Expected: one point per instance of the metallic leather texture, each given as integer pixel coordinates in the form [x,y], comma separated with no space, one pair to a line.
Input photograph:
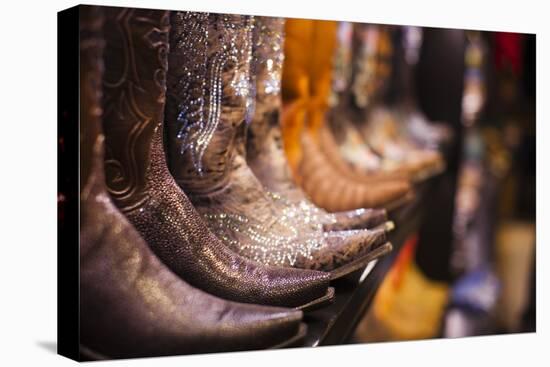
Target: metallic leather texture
[209,106]
[131,305]
[137,51]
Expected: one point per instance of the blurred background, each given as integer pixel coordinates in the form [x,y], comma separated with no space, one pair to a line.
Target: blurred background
[470,269]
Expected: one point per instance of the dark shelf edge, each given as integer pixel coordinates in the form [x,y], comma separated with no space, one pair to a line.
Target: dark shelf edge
[334,324]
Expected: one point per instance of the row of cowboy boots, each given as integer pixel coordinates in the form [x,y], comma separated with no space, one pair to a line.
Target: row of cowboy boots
[212,99]
[385,130]
[368,127]
[346,150]
[265,154]
[310,147]
[233,266]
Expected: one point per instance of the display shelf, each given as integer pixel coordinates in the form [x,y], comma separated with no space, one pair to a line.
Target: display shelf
[335,323]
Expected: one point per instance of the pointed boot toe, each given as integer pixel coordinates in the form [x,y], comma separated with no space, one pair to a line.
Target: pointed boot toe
[272,327]
[389,194]
[179,236]
[346,251]
[356,219]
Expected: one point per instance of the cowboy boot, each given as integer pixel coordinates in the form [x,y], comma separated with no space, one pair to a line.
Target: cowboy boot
[380,127]
[265,154]
[369,71]
[142,187]
[306,84]
[131,305]
[399,153]
[209,104]
[348,93]
[351,146]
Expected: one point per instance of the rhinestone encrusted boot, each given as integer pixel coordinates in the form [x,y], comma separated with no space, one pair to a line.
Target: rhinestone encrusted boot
[210,103]
[265,154]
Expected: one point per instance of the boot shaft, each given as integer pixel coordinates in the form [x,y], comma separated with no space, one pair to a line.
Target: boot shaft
[209,96]
[134,92]
[264,132]
[371,66]
[309,50]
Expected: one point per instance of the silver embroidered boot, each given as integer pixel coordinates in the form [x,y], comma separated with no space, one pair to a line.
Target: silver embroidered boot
[210,99]
[265,154]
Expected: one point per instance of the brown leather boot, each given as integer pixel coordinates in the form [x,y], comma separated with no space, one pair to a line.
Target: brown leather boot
[334,191]
[131,305]
[265,154]
[142,187]
[209,104]
[306,86]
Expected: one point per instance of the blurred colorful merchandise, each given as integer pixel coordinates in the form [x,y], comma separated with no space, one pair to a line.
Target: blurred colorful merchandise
[407,306]
[373,137]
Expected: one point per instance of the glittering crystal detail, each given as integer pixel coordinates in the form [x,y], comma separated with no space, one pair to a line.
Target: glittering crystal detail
[304,211]
[296,235]
[200,98]
[262,244]
[278,233]
[299,232]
